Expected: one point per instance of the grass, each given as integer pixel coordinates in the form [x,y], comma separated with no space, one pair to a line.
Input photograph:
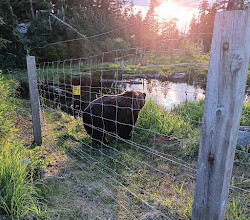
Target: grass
[194,112]
[197,72]
[19,195]
[159,121]
[245,116]
[121,176]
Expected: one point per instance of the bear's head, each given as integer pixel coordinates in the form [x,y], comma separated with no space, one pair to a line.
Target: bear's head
[141,97]
[138,96]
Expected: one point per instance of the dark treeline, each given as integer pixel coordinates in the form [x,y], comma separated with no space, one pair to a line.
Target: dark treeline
[202,26]
[26,25]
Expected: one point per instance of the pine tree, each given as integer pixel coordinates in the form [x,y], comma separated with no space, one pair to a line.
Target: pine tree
[89,17]
[204,31]
[12,54]
[203,9]
[169,28]
[3,42]
[150,26]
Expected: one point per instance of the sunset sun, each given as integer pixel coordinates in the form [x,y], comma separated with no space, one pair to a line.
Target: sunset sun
[170,9]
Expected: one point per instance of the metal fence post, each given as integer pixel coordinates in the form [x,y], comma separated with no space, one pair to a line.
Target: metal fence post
[34,99]
[226,84]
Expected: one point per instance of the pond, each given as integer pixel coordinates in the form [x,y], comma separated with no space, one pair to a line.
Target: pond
[173,93]
[168,93]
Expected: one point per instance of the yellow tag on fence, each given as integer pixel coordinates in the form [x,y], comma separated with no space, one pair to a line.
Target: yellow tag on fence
[1,71]
[76,90]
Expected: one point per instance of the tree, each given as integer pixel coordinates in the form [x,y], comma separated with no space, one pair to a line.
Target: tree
[206,21]
[203,9]
[150,27]
[169,28]
[169,32]
[12,54]
[3,42]
[89,17]
[194,29]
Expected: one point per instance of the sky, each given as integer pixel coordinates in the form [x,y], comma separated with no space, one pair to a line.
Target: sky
[192,3]
[184,11]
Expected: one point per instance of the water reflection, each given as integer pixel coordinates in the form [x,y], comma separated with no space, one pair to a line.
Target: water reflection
[165,93]
[168,93]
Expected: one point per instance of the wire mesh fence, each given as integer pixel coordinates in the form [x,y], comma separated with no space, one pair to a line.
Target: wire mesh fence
[132,127]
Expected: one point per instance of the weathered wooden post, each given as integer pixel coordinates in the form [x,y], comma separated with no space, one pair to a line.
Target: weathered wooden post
[226,85]
[248,8]
[34,99]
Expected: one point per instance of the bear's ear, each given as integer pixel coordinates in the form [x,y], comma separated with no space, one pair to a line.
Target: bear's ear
[144,94]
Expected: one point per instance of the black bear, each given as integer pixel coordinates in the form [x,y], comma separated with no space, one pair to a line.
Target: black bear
[113,113]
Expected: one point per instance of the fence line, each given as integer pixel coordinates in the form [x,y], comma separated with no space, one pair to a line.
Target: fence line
[134,166]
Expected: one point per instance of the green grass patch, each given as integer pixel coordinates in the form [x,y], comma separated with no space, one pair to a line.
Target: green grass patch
[19,196]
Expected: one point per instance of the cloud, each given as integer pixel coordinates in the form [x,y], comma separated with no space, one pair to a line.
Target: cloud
[191,3]
[183,3]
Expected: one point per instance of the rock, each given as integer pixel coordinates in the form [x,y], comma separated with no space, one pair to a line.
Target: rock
[243,138]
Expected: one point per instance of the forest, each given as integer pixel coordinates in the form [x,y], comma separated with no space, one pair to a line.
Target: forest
[29,27]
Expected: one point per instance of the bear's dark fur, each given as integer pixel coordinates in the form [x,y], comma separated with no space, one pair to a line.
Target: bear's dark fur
[113,114]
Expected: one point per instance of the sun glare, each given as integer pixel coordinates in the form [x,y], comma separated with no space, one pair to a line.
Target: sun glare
[169,9]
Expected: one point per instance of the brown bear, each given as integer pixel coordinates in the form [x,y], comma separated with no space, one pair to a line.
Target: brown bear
[113,113]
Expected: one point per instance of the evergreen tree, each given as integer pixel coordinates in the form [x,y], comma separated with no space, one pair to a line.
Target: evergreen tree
[12,54]
[194,28]
[169,28]
[169,33]
[3,42]
[205,25]
[150,26]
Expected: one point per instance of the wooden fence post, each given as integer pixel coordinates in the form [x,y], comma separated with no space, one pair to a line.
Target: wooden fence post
[34,99]
[225,92]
